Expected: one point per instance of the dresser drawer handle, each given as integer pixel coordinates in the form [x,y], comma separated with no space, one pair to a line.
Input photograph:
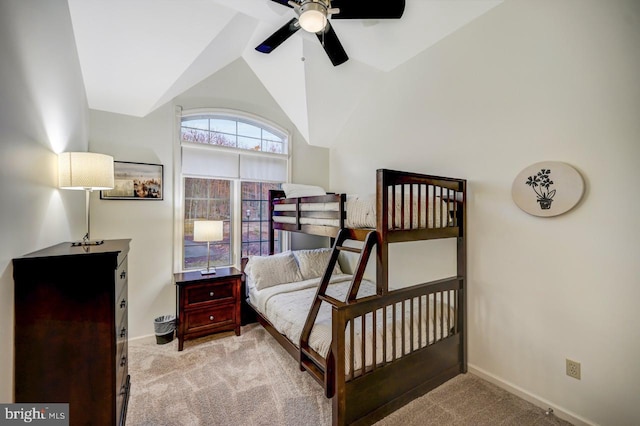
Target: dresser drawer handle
[123,390]
[211,293]
[211,317]
[123,303]
[123,275]
[123,361]
[123,332]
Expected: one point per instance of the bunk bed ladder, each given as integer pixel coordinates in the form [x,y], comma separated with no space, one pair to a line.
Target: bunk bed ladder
[310,360]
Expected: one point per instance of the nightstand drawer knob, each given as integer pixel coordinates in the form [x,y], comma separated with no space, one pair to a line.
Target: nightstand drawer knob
[123,332]
[211,317]
[123,303]
[123,361]
[211,294]
[123,275]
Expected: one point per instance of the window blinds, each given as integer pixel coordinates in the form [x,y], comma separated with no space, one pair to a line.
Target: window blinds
[217,162]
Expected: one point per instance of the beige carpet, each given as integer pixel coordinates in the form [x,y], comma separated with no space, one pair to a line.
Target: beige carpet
[251,380]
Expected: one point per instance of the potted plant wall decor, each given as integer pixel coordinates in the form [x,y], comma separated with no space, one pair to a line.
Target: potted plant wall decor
[548,188]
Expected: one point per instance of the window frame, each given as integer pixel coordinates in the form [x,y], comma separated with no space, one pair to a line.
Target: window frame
[236,202]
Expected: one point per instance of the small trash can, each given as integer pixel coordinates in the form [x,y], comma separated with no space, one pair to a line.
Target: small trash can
[164,326]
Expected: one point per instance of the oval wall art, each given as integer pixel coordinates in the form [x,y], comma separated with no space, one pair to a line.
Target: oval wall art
[548,188]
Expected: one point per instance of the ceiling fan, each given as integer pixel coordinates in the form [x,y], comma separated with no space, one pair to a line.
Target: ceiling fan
[313,16]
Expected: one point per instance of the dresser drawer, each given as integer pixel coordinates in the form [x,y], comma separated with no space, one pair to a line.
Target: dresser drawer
[122,362]
[122,328]
[216,316]
[122,354]
[121,278]
[122,395]
[221,291]
[121,304]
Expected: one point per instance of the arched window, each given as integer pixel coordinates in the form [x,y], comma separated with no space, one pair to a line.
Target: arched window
[233,131]
[229,161]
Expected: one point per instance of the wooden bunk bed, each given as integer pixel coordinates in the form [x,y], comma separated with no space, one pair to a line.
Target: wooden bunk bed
[395,363]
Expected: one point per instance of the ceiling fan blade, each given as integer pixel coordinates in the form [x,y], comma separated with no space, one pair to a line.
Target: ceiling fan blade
[333,47]
[368,9]
[283,2]
[277,38]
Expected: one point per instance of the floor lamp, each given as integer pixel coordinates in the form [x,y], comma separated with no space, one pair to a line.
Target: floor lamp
[86,171]
[207,231]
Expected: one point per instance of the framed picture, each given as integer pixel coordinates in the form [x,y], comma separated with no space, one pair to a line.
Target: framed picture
[135,181]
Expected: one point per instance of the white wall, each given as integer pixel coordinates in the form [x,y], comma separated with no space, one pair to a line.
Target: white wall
[530,81]
[149,224]
[43,112]
[150,140]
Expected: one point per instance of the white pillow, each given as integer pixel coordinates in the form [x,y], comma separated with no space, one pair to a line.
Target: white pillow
[314,262]
[268,271]
[293,190]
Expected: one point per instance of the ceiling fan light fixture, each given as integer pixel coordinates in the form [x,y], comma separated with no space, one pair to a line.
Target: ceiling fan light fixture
[313,16]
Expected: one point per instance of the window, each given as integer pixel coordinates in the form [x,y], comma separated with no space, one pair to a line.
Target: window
[236,132]
[208,199]
[229,161]
[255,219]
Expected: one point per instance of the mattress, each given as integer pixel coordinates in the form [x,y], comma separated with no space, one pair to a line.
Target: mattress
[286,307]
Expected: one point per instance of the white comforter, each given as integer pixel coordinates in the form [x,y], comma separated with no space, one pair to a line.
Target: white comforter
[286,306]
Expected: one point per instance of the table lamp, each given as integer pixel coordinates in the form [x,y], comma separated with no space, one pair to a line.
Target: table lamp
[86,171]
[208,230]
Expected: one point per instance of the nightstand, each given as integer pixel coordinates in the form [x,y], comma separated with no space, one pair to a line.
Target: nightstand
[207,304]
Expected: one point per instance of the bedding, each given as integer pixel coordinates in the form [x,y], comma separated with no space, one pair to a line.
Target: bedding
[361,213]
[286,307]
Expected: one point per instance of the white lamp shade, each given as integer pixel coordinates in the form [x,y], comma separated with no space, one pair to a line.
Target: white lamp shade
[313,17]
[207,230]
[85,170]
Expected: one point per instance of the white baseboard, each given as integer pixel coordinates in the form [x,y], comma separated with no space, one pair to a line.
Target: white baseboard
[146,336]
[527,396]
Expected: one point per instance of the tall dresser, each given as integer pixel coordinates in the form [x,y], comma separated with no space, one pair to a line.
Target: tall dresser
[71,330]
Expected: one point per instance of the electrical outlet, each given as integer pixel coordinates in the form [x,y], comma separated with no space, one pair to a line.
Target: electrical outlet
[573,369]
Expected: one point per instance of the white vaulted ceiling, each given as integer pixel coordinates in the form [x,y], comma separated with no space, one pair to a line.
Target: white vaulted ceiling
[136,55]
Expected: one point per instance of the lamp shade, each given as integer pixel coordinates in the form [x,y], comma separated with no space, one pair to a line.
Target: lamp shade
[313,17]
[85,170]
[207,230]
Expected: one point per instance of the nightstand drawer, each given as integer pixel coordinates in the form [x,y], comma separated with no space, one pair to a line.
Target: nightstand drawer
[210,317]
[219,291]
